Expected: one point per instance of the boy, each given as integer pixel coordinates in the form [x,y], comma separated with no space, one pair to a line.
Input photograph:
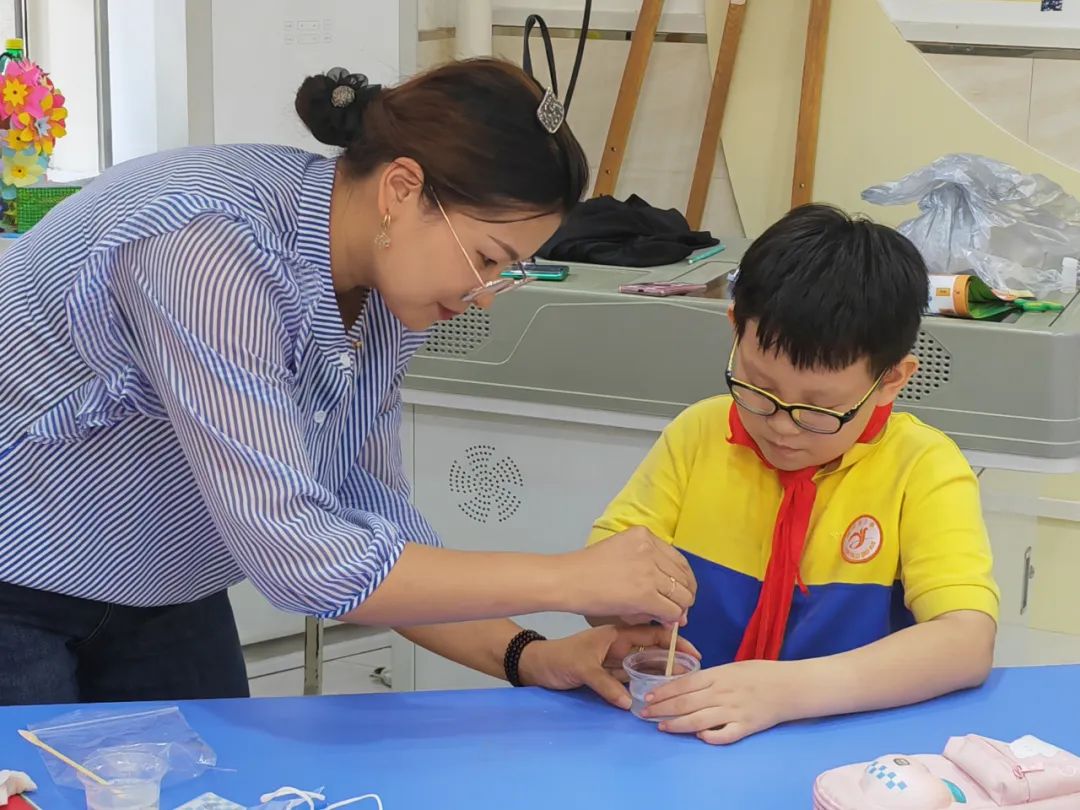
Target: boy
[840,554]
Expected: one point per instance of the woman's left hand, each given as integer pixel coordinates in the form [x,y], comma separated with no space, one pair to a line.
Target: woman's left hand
[593,658]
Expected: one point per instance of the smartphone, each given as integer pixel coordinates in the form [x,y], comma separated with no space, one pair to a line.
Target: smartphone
[541,272]
[662,289]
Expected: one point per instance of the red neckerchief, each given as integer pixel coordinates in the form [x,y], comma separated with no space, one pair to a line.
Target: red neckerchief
[764,635]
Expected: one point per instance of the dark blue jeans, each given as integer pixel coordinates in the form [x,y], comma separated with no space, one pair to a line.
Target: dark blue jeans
[60,649]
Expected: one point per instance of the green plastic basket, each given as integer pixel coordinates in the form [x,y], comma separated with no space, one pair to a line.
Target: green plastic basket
[34,202]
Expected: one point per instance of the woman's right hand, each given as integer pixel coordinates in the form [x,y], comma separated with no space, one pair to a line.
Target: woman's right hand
[632,575]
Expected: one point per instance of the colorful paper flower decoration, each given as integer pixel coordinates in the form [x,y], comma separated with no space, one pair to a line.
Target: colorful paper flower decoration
[32,118]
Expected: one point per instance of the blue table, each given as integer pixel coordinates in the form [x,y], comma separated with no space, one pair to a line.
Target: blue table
[533,749]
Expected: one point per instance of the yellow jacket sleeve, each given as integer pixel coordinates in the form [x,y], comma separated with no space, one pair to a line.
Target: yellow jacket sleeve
[653,496]
[945,559]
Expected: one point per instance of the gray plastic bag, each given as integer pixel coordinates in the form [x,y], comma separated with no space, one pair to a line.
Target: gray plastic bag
[982,216]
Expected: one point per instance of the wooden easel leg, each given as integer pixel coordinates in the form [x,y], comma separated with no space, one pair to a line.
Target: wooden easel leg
[714,113]
[806,139]
[626,102]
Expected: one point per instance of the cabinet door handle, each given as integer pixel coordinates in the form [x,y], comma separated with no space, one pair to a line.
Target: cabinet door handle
[1029,574]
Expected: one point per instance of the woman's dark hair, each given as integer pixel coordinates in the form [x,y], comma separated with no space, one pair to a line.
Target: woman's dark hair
[827,289]
[470,124]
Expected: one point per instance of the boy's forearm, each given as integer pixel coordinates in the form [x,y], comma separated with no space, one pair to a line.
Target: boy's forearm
[918,663]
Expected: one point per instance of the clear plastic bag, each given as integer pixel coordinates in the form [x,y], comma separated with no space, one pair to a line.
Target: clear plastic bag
[982,216]
[162,732]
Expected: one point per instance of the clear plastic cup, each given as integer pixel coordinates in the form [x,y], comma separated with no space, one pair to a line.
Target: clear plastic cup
[133,780]
[646,670]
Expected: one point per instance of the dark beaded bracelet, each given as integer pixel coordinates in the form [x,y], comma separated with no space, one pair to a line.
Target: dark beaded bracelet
[514,650]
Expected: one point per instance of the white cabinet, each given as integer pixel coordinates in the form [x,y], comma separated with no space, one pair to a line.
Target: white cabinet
[1034,525]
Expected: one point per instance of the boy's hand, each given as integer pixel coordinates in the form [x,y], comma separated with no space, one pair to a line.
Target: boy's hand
[724,704]
[592,658]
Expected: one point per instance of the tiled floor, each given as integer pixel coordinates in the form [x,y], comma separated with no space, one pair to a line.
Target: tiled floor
[352,655]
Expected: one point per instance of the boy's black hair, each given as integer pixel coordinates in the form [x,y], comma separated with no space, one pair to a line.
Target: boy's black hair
[827,289]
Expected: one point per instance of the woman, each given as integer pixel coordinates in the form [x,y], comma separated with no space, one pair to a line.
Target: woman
[204,350]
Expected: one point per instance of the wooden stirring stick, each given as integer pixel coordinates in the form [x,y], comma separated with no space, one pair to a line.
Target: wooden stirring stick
[33,739]
[671,651]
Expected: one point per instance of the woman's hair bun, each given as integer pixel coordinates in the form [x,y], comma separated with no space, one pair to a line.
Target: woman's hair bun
[332,105]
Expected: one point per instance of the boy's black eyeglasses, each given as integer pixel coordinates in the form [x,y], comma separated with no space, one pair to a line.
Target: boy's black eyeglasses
[808,417]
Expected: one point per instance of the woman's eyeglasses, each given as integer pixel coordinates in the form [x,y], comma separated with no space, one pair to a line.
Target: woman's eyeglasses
[510,278]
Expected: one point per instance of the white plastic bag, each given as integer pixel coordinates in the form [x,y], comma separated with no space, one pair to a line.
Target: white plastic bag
[982,216]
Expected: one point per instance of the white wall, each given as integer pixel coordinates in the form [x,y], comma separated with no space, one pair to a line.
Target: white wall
[61,34]
[148,76]
[682,16]
[171,72]
[262,50]
[436,14]
[164,94]
[7,19]
[134,98]
[162,84]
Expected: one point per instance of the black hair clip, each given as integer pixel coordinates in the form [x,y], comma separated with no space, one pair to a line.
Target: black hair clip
[347,86]
[551,113]
[342,96]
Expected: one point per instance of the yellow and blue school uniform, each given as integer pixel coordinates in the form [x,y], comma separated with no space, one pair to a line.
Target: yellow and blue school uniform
[896,533]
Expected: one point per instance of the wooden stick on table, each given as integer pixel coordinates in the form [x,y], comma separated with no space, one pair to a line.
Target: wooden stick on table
[714,112]
[33,739]
[806,138]
[626,102]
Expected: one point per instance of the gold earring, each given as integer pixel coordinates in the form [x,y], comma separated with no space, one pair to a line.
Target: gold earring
[382,237]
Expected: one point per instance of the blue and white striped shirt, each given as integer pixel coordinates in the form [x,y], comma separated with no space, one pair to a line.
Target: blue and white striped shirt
[180,404]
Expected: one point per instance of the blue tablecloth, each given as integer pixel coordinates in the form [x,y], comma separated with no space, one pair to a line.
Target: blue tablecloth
[528,748]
